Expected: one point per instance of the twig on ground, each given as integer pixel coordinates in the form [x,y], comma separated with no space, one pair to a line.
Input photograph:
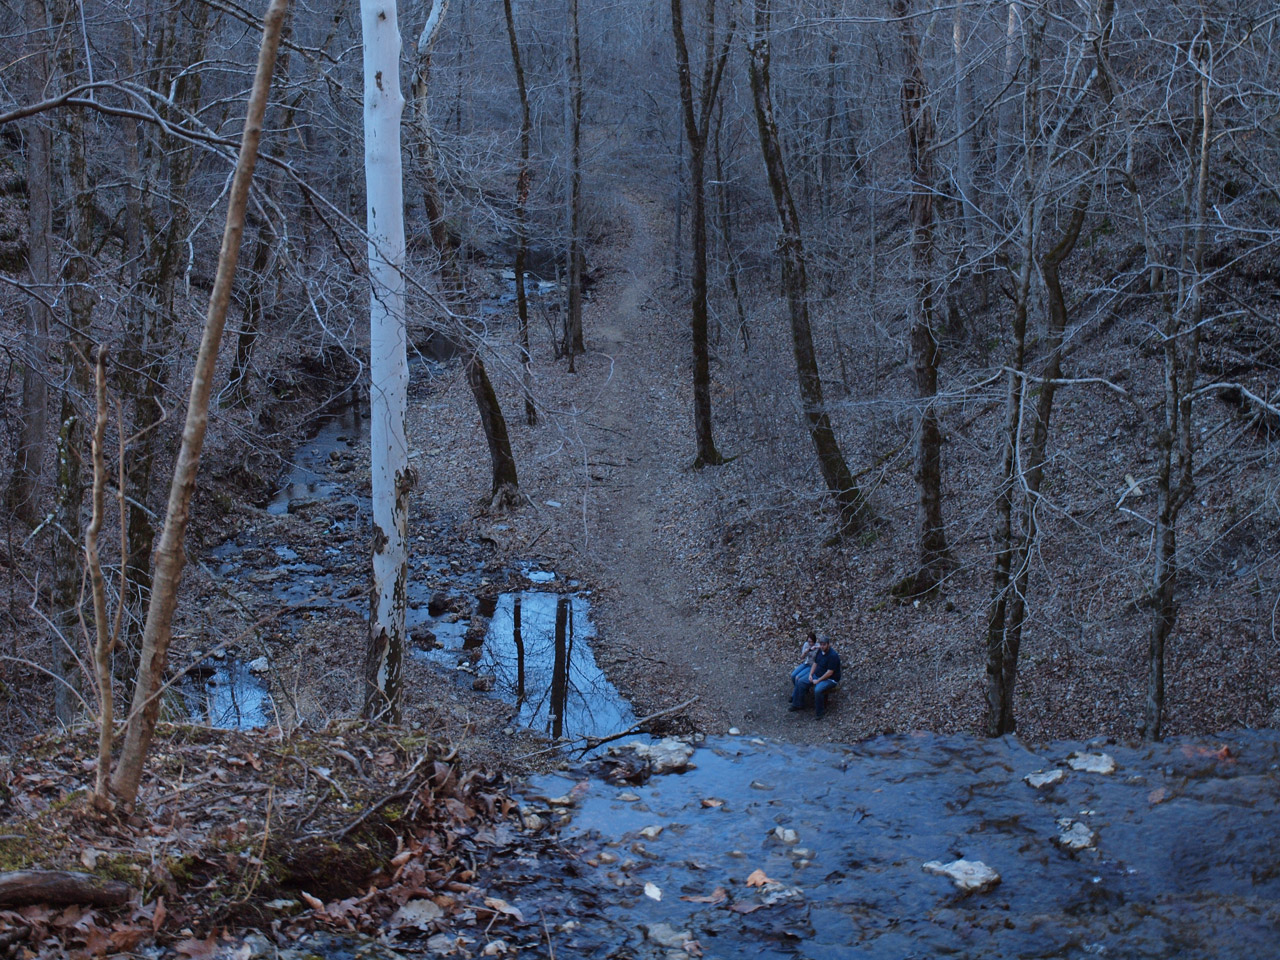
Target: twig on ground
[590,743]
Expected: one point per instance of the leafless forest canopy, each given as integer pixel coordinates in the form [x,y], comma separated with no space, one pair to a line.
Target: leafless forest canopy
[982,301]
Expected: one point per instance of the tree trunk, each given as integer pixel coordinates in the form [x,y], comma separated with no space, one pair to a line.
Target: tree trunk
[696,123]
[22,498]
[931,539]
[170,556]
[393,479]
[1174,448]
[835,472]
[574,343]
[504,491]
[523,183]
[1002,644]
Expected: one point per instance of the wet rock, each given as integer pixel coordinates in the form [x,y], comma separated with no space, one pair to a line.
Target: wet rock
[534,823]
[628,797]
[801,853]
[1075,835]
[774,892]
[969,876]
[785,835]
[1092,762]
[665,935]
[666,756]
[442,603]
[1044,778]
[651,833]
[304,505]
[424,638]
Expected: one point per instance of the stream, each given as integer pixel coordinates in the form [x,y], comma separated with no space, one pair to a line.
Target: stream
[530,648]
[1175,854]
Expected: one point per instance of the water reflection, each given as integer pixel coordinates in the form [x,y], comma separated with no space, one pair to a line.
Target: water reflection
[225,694]
[537,648]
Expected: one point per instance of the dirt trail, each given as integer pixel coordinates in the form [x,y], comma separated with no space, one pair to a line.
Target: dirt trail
[665,641]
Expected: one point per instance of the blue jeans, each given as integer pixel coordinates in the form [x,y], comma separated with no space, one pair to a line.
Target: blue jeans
[820,691]
[800,671]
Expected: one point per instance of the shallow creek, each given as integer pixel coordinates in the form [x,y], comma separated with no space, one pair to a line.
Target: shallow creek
[1178,853]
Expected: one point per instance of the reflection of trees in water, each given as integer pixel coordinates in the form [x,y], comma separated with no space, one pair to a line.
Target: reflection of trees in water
[229,698]
[532,650]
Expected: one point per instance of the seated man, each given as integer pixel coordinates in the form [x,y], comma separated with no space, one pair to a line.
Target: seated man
[821,678]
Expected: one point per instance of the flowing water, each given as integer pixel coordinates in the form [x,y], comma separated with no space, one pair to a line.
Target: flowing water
[1182,854]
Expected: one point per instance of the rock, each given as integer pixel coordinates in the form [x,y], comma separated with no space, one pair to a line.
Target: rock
[628,797]
[417,913]
[1075,835]
[1092,762]
[651,833]
[442,603]
[260,665]
[734,731]
[666,756]
[422,637]
[484,683]
[801,853]
[534,823]
[665,935]
[785,835]
[774,892]
[1044,778]
[969,876]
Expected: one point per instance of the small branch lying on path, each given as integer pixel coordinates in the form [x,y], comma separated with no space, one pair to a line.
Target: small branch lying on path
[590,743]
[61,887]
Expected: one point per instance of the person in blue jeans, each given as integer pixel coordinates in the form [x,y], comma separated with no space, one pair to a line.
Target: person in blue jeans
[808,652]
[821,679]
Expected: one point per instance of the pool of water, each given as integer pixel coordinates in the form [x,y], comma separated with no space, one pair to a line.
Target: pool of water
[537,649]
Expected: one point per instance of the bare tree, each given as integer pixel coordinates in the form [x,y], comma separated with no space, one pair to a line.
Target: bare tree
[170,555]
[697,122]
[835,471]
[504,491]
[931,538]
[393,478]
[22,497]
[523,182]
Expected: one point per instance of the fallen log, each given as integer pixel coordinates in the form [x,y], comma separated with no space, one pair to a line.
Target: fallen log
[62,887]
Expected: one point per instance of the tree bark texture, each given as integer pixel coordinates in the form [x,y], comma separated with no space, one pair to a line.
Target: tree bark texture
[388,359]
[170,555]
[23,495]
[835,471]
[58,887]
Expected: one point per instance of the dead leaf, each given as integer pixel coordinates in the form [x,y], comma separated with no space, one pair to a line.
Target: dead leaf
[746,907]
[501,906]
[653,891]
[312,902]
[758,879]
[1158,795]
[718,895]
[89,857]
[198,949]
[692,947]
[579,790]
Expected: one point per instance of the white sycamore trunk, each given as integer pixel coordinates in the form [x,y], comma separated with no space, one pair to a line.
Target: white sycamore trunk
[388,358]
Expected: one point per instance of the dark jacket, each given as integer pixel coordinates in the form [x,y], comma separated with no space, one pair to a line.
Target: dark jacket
[827,661]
